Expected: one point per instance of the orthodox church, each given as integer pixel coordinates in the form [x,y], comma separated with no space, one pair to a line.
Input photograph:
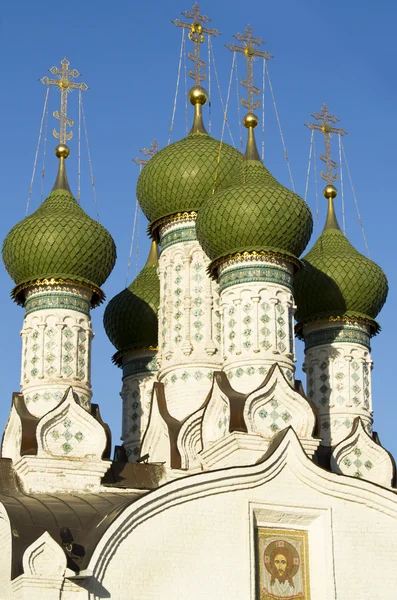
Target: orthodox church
[234,480]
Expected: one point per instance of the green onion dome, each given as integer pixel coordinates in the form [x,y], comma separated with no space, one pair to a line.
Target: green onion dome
[255,213]
[183,175]
[336,281]
[130,318]
[59,242]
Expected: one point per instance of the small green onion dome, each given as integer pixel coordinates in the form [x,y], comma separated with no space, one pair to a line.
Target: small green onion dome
[256,213]
[336,281]
[130,318]
[59,241]
[183,175]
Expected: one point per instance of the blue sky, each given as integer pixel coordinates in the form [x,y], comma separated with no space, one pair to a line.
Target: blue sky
[342,53]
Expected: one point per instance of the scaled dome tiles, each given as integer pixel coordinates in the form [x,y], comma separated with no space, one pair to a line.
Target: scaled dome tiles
[130,318]
[337,281]
[59,240]
[183,175]
[256,213]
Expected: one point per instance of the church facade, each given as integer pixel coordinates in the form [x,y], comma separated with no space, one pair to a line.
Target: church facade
[234,480]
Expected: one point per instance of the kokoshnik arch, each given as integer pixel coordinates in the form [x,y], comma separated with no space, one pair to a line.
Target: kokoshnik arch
[233,479]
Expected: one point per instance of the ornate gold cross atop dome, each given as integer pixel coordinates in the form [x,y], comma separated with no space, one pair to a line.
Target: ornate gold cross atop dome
[149,152]
[196,34]
[64,81]
[251,54]
[326,127]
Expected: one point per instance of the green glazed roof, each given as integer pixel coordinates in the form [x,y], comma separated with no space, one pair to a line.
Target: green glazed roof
[181,176]
[130,318]
[256,213]
[337,281]
[59,240]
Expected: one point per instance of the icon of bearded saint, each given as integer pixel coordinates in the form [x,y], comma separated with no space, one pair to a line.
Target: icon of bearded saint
[282,563]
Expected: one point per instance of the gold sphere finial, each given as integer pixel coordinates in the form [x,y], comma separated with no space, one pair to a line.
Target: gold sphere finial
[250,120]
[330,191]
[62,151]
[198,95]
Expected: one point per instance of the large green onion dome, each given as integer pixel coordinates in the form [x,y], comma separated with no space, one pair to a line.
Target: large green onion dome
[59,242]
[336,281]
[183,175]
[255,213]
[130,318]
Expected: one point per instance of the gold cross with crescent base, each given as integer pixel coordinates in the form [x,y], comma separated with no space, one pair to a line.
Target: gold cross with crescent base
[154,148]
[251,54]
[196,34]
[65,83]
[326,127]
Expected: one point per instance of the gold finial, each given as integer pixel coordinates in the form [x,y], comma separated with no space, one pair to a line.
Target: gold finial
[149,152]
[61,183]
[330,192]
[153,257]
[251,54]
[196,35]
[64,81]
[326,127]
[198,97]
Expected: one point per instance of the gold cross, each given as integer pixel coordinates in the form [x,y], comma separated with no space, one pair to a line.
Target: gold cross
[65,84]
[196,34]
[326,127]
[154,148]
[251,54]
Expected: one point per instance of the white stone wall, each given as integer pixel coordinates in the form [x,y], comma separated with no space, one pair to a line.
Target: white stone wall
[139,374]
[339,379]
[257,321]
[198,542]
[56,346]
[189,319]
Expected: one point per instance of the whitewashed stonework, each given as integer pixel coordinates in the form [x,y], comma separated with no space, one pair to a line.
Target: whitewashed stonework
[189,319]
[358,455]
[69,448]
[338,368]
[139,374]
[56,346]
[257,309]
[203,527]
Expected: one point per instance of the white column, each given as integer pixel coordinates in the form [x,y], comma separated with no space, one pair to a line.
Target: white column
[139,374]
[56,347]
[257,302]
[189,319]
[338,365]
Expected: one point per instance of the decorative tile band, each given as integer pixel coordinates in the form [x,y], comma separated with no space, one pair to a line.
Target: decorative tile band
[58,301]
[181,234]
[250,273]
[145,364]
[331,335]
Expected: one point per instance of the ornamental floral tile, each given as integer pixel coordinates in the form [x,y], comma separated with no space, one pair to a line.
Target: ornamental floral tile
[247,307]
[68,333]
[35,347]
[247,344]
[198,337]
[265,318]
[35,335]
[67,370]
